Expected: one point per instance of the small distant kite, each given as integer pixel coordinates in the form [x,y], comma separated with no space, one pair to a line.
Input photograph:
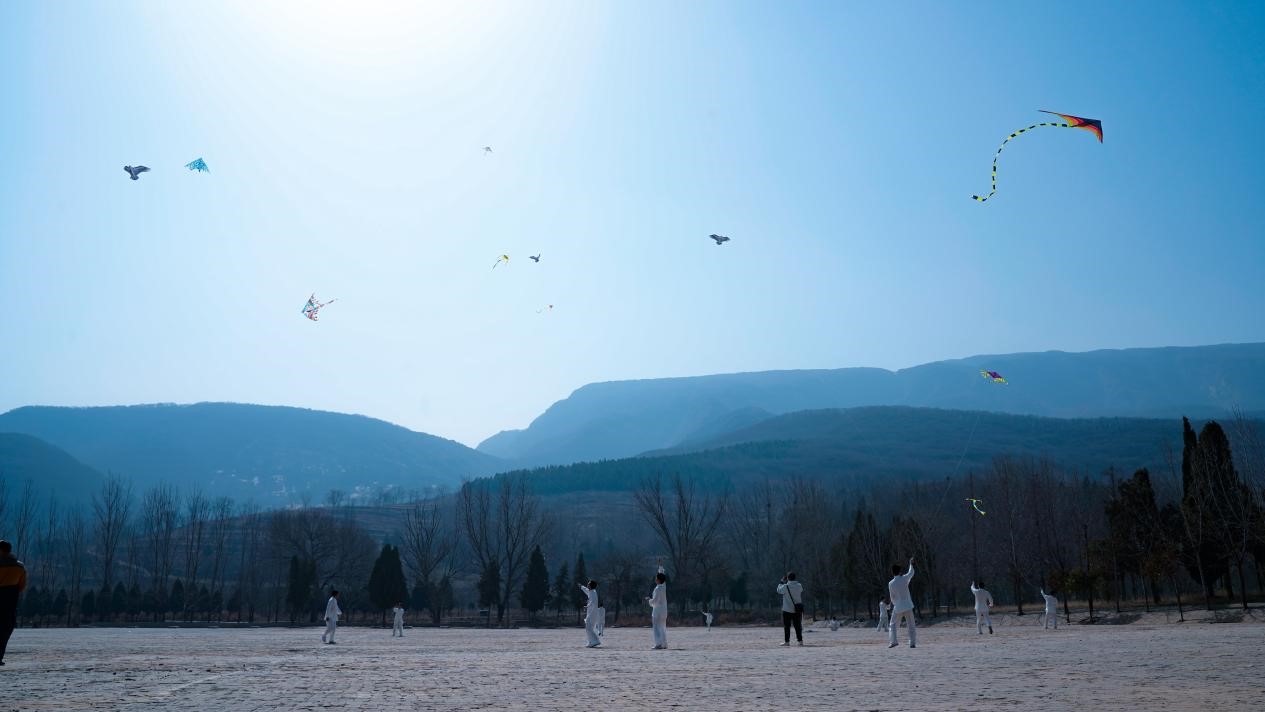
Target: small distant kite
[534,258]
[548,308]
[136,171]
[311,309]
[499,260]
[198,165]
[994,376]
[720,239]
[1093,126]
[487,149]
[976,503]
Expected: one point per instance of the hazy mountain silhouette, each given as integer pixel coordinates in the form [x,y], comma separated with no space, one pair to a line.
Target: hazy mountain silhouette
[623,418]
[267,453]
[878,445]
[23,457]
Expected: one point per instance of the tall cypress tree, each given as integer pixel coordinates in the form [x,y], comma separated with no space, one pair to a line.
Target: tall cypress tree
[578,599]
[561,595]
[386,582]
[536,586]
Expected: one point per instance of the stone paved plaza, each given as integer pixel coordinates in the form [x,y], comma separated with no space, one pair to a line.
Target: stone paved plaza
[1139,667]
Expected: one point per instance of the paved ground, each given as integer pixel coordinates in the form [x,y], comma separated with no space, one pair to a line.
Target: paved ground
[1140,667]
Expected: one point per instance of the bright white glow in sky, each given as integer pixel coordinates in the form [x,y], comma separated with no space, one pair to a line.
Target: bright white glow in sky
[836,143]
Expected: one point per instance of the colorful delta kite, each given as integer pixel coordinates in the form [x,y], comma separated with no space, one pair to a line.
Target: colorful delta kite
[499,260]
[198,165]
[976,503]
[1093,126]
[993,376]
[311,309]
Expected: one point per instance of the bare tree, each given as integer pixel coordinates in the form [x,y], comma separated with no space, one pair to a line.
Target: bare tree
[684,520]
[197,509]
[221,512]
[160,514]
[522,526]
[111,507]
[46,545]
[428,542]
[76,552]
[24,518]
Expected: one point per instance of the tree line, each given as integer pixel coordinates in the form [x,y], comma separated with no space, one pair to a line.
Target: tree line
[1191,532]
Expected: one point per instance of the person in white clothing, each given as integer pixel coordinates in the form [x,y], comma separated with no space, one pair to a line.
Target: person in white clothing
[591,614]
[659,610]
[332,612]
[707,620]
[792,593]
[884,613]
[983,602]
[902,604]
[834,624]
[1051,610]
[601,621]
[397,627]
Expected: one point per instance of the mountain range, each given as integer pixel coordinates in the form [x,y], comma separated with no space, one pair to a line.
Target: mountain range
[266,453]
[626,418]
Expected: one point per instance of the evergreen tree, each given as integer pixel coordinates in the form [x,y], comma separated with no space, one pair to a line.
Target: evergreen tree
[299,590]
[578,599]
[60,604]
[738,593]
[442,598]
[88,607]
[1207,470]
[536,586]
[386,582]
[104,611]
[561,589]
[175,602]
[490,586]
[118,599]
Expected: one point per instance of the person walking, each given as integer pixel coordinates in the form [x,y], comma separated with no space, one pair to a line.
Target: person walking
[591,614]
[1051,610]
[792,608]
[983,603]
[902,604]
[659,610]
[12,584]
[397,627]
[332,612]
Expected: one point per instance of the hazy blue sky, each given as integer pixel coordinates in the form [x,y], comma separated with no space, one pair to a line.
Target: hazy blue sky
[837,143]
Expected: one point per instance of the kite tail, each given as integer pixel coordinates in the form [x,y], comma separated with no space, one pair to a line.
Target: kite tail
[1003,145]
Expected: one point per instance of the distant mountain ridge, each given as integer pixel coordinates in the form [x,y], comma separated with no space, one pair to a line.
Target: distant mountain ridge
[865,448]
[266,453]
[620,419]
[23,457]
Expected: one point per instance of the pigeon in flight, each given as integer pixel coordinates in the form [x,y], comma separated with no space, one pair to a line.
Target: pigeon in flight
[487,149]
[135,171]
[720,239]
[534,258]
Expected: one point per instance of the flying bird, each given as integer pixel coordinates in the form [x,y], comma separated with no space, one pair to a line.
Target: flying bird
[198,165]
[720,239]
[534,258]
[487,149]
[1093,126]
[136,171]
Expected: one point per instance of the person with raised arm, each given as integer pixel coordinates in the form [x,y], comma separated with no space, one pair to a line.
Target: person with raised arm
[902,604]
[792,593]
[397,625]
[591,614]
[983,603]
[1051,610]
[659,609]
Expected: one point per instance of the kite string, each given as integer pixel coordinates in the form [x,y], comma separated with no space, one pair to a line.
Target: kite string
[1003,145]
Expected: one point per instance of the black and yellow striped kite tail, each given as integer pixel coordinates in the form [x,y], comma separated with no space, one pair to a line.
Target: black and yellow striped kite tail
[1003,145]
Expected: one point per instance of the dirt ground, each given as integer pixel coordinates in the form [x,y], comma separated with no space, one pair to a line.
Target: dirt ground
[1147,665]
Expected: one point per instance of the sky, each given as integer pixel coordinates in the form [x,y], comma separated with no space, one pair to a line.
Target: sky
[836,143]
